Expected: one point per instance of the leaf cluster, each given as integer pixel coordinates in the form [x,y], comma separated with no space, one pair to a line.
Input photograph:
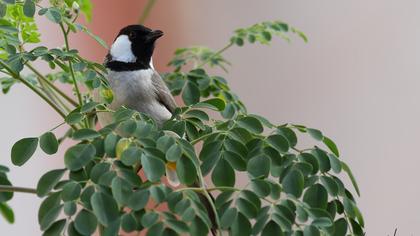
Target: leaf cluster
[289,190]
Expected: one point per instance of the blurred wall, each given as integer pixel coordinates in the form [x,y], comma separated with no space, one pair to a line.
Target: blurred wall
[357,80]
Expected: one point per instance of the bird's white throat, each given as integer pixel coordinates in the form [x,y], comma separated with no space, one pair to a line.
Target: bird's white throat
[121,50]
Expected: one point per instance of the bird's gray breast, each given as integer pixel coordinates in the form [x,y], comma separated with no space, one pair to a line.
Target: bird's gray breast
[135,90]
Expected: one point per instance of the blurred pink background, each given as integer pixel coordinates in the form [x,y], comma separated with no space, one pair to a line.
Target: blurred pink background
[357,80]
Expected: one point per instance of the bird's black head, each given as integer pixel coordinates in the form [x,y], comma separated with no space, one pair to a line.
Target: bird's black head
[134,46]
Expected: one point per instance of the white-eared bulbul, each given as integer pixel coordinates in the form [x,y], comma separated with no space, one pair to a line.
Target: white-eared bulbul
[132,77]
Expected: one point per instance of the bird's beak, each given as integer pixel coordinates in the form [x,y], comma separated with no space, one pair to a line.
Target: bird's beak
[154,35]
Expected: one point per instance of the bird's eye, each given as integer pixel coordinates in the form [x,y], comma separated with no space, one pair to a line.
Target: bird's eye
[132,35]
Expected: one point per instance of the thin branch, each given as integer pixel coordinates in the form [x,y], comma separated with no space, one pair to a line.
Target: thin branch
[61,93]
[76,86]
[7,188]
[215,54]
[146,11]
[33,88]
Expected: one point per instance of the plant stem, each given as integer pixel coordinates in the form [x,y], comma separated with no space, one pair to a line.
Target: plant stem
[49,83]
[33,88]
[76,86]
[146,11]
[7,188]
[210,200]
[216,54]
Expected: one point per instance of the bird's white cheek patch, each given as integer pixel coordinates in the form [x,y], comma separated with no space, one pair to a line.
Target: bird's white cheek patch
[121,50]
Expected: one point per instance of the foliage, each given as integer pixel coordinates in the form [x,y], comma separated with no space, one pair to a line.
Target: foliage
[290,190]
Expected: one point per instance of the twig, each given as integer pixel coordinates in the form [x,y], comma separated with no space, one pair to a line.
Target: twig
[7,188]
[29,85]
[215,54]
[61,93]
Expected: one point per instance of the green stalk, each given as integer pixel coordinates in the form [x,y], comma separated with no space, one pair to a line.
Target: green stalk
[146,11]
[50,84]
[76,86]
[33,88]
[210,200]
[216,54]
[7,188]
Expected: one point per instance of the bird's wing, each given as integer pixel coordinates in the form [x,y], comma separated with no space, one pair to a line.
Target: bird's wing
[163,94]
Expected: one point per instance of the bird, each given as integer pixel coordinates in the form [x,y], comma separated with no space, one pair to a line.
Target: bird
[137,85]
[132,77]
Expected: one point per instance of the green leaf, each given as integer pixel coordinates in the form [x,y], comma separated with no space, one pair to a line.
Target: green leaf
[10,1]
[48,205]
[70,208]
[71,191]
[7,212]
[216,104]
[322,222]
[289,134]
[272,228]
[3,9]
[350,174]
[335,163]
[153,167]
[323,160]
[48,143]
[261,187]
[279,142]
[121,190]
[88,107]
[47,182]
[71,230]
[251,124]
[340,227]
[29,8]
[311,231]
[235,160]
[331,145]
[316,134]
[56,228]
[99,170]
[23,149]
[316,196]
[85,134]
[131,156]
[228,217]
[79,156]
[330,184]
[128,223]
[138,200]
[54,15]
[186,171]
[47,220]
[259,166]
[293,183]
[178,226]
[241,226]
[104,207]
[5,196]
[223,174]
[85,222]
[155,230]
[198,227]
[173,153]
[73,118]
[201,115]
[247,208]
[110,144]
[190,94]
[149,219]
